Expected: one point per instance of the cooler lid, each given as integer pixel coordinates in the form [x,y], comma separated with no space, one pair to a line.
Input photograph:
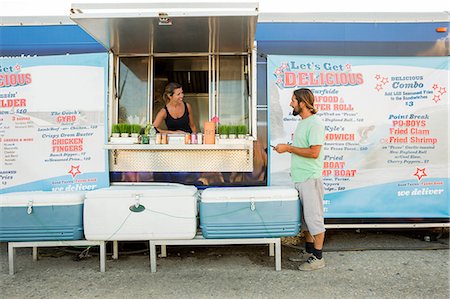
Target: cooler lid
[246,194]
[144,190]
[169,27]
[41,198]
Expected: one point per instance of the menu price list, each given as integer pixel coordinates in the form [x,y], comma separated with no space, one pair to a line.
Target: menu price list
[409,139]
[339,140]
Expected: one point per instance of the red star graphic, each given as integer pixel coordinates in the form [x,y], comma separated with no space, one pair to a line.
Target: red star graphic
[277,72]
[74,170]
[436,98]
[348,66]
[384,80]
[17,67]
[378,87]
[435,86]
[377,77]
[420,173]
[442,90]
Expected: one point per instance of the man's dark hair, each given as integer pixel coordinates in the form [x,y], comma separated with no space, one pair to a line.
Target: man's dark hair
[306,96]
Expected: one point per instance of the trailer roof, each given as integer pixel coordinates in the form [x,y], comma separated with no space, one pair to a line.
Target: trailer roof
[276,33]
[355,17]
[353,39]
[305,17]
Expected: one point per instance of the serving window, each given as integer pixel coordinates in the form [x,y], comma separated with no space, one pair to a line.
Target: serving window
[214,85]
[208,48]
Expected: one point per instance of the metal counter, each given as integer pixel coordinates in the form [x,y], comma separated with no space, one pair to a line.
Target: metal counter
[230,157]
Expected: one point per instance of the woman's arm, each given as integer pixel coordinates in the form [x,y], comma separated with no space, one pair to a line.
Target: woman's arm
[191,119]
[160,117]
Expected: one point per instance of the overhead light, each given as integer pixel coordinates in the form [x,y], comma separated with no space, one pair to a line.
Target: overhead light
[441,29]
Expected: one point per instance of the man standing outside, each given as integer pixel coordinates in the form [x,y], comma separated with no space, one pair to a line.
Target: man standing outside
[306,173]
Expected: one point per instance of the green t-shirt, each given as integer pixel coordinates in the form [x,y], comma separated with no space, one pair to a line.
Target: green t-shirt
[309,131]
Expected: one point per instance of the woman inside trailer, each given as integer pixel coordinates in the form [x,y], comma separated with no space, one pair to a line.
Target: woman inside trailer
[176,114]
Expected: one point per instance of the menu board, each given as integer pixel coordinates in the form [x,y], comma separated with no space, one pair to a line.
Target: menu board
[386,121]
[52,123]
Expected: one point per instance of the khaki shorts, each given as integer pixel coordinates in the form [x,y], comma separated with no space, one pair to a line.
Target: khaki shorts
[311,194]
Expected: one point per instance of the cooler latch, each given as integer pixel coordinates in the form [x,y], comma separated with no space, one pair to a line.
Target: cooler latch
[252,205]
[137,207]
[137,198]
[30,207]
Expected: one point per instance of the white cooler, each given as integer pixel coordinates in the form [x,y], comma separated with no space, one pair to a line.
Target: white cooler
[141,212]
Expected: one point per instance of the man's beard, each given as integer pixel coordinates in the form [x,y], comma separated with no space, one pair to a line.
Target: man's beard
[295,113]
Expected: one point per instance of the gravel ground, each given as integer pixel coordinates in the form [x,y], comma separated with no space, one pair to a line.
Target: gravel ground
[359,265]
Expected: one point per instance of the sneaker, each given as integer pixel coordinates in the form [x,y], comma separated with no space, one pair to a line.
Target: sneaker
[302,256]
[312,263]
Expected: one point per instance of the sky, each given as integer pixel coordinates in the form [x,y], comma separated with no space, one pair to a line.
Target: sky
[62,7]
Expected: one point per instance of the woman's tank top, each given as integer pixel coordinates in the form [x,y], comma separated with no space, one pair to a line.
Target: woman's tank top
[182,123]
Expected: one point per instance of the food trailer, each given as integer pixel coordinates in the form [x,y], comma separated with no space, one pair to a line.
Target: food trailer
[381,84]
